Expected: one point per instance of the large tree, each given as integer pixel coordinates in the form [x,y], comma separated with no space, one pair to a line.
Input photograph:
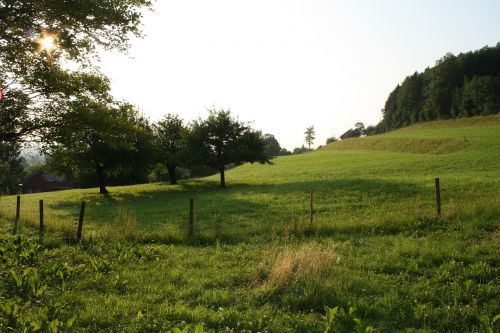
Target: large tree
[221,139]
[170,143]
[273,147]
[79,26]
[36,37]
[96,133]
[480,96]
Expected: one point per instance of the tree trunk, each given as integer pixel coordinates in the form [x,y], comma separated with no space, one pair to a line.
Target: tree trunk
[100,176]
[171,173]
[222,179]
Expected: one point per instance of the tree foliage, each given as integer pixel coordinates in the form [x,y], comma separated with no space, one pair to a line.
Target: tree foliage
[32,78]
[457,86]
[80,26]
[356,132]
[221,139]
[331,139]
[99,134]
[37,40]
[300,150]
[170,143]
[309,136]
[273,147]
[11,168]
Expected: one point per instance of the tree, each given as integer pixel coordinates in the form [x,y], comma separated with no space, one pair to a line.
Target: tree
[99,134]
[309,133]
[285,152]
[410,99]
[11,168]
[141,156]
[390,111]
[221,139]
[457,86]
[373,130]
[360,128]
[36,37]
[480,96]
[78,26]
[331,139]
[300,150]
[170,143]
[273,147]
[355,132]
[444,78]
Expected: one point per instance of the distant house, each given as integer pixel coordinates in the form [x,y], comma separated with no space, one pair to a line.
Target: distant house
[39,181]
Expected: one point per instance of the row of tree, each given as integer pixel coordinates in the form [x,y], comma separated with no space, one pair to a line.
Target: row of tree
[457,86]
[111,139]
[217,141]
[71,114]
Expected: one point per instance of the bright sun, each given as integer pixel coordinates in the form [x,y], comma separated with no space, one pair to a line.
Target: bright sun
[47,43]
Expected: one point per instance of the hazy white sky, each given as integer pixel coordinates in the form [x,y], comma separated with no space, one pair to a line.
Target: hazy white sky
[289,64]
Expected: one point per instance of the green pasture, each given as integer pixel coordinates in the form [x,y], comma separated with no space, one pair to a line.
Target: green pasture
[257,263]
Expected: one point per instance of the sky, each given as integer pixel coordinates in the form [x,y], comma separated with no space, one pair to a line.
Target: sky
[284,65]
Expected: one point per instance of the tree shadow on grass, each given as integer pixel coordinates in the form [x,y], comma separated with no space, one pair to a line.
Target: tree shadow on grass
[252,211]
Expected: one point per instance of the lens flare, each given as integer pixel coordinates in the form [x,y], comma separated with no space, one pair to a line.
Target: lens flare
[47,43]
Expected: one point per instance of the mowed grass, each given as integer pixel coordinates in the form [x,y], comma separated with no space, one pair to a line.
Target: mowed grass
[256,263]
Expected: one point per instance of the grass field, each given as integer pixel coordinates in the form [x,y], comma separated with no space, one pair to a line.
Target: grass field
[256,263]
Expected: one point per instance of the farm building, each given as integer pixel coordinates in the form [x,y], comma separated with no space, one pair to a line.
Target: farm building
[40,181]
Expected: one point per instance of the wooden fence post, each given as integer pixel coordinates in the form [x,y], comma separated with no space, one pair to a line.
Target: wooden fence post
[18,214]
[18,207]
[42,226]
[80,222]
[191,217]
[438,197]
[311,207]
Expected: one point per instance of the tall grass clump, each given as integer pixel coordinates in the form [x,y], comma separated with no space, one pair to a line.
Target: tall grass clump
[124,226]
[308,261]
[294,276]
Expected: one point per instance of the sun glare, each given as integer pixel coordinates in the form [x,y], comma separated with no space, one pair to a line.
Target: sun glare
[47,43]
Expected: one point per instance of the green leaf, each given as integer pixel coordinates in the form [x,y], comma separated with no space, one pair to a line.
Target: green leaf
[70,322]
[17,279]
[54,325]
[41,290]
[139,315]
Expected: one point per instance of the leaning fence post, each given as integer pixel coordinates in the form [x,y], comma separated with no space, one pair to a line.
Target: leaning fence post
[438,197]
[191,216]
[311,207]
[80,221]
[42,227]
[18,214]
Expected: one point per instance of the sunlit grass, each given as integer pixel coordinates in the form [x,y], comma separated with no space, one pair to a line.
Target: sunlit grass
[257,263]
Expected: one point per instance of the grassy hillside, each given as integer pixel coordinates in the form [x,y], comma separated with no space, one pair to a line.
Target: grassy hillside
[256,263]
